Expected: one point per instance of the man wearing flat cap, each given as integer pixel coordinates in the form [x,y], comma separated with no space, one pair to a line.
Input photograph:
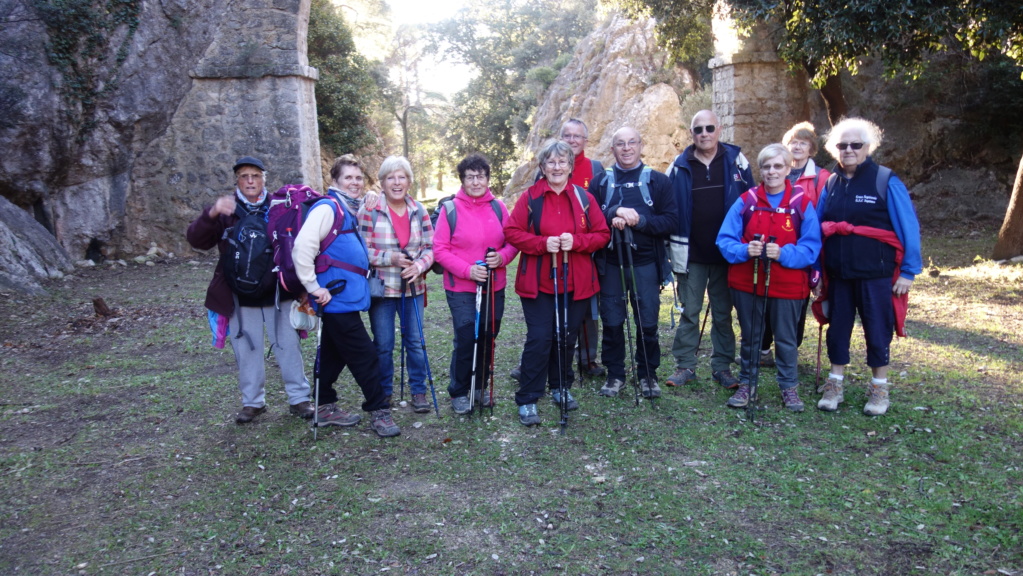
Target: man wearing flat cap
[243,312]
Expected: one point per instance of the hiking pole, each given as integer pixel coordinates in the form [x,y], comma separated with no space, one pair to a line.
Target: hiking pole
[316,371]
[564,340]
[333,288]
[676,307]
[755,382]
[422,340]
[475,345]
[703,327]
[628,324]
[557,344]
[754,367]
[636,298]
[820,336]
[493,330]
[402,319]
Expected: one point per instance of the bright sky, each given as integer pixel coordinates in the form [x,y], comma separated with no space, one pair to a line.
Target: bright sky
[419,11]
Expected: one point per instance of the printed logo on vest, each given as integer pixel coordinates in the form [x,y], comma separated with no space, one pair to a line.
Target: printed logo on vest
[787,226]
[863,199]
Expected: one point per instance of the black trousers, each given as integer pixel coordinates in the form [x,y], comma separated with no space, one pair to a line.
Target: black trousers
[345,342]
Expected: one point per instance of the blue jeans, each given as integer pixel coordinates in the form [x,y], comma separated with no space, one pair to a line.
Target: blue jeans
[381,320]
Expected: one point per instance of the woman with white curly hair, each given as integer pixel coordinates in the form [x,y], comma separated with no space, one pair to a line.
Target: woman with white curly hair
[871,255]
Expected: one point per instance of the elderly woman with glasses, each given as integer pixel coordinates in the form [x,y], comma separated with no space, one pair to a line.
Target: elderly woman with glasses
[770,238]
[475,261]
[556,226]
[871,255]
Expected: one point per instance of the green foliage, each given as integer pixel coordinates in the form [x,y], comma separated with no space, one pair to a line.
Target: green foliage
[79,36]
[683,29]
[345,89]
[504,42]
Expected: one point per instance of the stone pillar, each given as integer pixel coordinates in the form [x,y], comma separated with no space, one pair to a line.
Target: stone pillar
[252,94]
[756,96]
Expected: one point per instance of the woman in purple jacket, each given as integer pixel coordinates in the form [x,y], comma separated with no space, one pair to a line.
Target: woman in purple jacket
[469,244]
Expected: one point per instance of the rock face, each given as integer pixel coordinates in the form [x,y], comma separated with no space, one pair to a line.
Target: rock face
[616,78]
[201,82]
[30,252]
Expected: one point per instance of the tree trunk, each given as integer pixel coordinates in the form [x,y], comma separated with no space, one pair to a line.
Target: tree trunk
[1010,237]
[834,99]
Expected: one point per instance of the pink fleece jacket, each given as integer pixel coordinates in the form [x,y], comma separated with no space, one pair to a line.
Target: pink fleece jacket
[476,229]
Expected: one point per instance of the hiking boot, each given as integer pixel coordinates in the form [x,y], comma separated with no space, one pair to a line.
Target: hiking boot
[516,373]
[383,424]
[649,388]
[592,369]
[767,360]
[832,396]
[528,415]
[302,410]
[741,397]
[791,399]
[331,415]
[482,398]
[570,403]
[420,405]
[680,377]
[460,405]
[726,380]
[248,414]
[611,388]
[877,399]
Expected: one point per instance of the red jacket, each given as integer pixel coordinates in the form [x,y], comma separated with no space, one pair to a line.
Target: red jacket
[589,233]
[813,173]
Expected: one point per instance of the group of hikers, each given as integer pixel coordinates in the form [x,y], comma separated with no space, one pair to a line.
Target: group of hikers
[593,243]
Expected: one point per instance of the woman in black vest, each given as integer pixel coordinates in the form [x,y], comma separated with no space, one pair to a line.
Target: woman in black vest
[871,255]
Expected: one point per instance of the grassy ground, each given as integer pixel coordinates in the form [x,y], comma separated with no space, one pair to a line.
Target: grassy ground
[119,454]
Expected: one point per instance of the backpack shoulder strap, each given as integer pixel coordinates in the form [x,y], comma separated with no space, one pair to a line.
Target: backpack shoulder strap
[644,185]
[449,212]
[496,205]
[535,213]
[749,204]
[884,174]
[584,201]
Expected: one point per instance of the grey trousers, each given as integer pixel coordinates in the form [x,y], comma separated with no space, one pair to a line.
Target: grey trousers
[713,279]
[247,341]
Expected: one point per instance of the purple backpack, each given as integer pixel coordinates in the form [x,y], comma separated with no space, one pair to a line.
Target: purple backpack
[288,209]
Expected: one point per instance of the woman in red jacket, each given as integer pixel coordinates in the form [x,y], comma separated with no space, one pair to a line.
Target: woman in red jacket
[553,221]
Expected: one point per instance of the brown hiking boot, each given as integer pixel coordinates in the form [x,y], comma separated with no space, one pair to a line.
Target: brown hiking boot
[420,405]
[383,424]
[725,379]
[680,377]
[302,410]
[248,414]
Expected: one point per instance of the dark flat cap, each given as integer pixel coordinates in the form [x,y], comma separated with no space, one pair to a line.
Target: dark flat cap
[249,161]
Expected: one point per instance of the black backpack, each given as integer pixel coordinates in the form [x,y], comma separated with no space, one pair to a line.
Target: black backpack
[249,258]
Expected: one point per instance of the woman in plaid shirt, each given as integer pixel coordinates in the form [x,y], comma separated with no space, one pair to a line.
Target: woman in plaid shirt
[399,239]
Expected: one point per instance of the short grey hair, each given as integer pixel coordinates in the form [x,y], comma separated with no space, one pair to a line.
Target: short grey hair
[393,164]
[870,133]
[772,150]
[555,148]
[577,122]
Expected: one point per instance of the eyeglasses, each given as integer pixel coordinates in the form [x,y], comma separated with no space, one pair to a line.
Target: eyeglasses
[250,176]
[475,178]
[556,164]
[710,128]
[573,137]
[623,145]
[853,145]
[769,167]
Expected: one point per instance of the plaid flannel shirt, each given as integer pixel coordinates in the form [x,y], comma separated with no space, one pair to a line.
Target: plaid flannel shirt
[382,242]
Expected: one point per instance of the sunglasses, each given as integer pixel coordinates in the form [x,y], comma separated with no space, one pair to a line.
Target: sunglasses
[853,145]
[697,130]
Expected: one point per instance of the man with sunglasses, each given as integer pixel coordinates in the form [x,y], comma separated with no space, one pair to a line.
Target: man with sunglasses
[707,178]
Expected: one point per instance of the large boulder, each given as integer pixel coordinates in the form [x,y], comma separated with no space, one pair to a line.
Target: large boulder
[617,77]
[31,252]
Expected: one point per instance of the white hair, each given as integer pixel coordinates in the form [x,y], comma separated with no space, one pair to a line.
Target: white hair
[867,131]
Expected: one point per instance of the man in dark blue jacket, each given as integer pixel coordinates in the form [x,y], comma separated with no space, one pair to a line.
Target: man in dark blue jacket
[707,178]
[639,200]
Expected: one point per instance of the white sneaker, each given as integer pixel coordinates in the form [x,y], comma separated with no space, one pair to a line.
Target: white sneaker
[877,399]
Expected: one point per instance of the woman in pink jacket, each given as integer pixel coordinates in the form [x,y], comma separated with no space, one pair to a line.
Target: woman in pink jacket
[469,245]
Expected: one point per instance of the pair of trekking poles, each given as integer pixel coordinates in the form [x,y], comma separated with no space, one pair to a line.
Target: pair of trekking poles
[624,243]
[486,296]
[758,329]
[422,339]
